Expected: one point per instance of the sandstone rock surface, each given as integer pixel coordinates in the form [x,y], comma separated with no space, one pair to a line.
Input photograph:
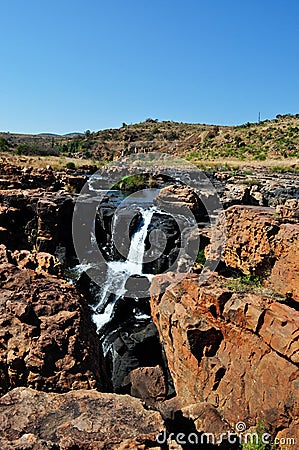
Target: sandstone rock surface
[284,276]
[83,420]
[41,262]
[148,383]
[233,354]
[33,219]
[290,210]
[178,197]
[18,177]
[47,338]
[260,242]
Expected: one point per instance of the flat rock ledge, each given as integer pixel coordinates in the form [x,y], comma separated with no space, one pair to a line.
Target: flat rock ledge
[81,420]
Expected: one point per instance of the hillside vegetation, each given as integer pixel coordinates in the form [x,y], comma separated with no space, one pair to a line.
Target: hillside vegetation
[274,140]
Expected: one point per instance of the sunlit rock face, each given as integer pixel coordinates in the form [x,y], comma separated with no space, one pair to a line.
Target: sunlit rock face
[48,340]
[236,352]
[83,419]
[263,242]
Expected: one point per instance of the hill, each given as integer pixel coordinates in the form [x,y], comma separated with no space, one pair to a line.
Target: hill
[270,140]
[277,138]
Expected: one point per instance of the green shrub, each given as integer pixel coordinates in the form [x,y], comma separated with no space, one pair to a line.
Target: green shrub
[257,443]
[261,157]
[132,183]
[252,182]
[71,165]
[4,145]
[244,283]
[171,136]
[201,259]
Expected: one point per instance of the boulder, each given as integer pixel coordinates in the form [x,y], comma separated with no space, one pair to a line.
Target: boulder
[149,384]
[259,242]
[37,220]
[178,198]
[290,210]
[83,419]
[48,341]
[284,276]
[131,346]
[5,255]
[232,354]
[239,194]
[42,263]
[73,183]
[16,176]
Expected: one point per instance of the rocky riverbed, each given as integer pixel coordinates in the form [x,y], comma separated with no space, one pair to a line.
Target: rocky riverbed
[208,354]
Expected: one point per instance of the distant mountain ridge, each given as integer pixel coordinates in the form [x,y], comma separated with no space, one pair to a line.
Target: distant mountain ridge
[74,134]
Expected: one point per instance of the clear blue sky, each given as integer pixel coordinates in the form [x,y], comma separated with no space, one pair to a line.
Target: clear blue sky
[76,65]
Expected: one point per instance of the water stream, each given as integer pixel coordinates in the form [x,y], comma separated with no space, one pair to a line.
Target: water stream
[118,272]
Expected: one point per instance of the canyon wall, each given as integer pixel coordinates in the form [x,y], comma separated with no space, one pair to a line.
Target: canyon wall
[264,242]
[233,349]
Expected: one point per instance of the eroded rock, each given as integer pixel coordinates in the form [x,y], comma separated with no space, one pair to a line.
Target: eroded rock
[234,354]
[176,198]
[48,340]
[84,419]
[148,383]
[259,242]
[34,219]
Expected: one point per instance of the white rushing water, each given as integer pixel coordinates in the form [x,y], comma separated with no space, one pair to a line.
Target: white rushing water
[120,271]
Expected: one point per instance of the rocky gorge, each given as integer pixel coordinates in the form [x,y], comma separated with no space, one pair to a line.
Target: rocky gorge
[205,354]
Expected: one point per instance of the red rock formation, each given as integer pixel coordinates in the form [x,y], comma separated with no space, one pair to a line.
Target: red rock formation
[148,383]
[289,211]
[34,219]
[47,338]
[42,263]
[19,177]
[259,241]
[85,420]
[180,197]
[235,355]
[232,356]
[284,276]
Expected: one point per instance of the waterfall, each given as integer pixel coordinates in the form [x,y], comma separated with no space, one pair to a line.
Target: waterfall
[136,252]
[120,271]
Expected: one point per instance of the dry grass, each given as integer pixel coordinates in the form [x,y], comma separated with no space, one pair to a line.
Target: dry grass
[56,162]
[237,163]
[60,162]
